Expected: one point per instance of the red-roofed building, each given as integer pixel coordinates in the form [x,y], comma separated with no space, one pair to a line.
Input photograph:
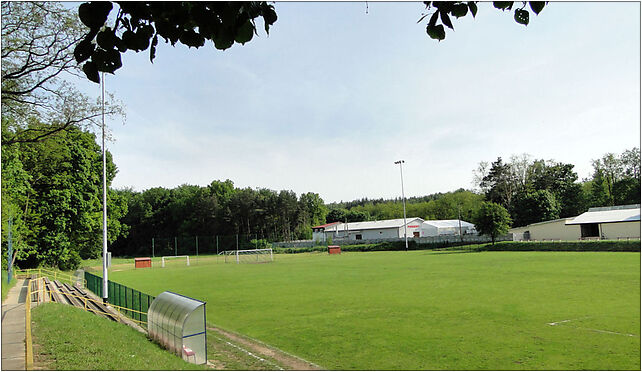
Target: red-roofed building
[318,232]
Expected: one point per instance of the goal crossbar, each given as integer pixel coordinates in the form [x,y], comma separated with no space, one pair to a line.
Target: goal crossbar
[258,255]
[168,257]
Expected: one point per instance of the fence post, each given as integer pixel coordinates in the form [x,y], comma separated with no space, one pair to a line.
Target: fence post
[196,245]
[216,245]
[175,247]
[140,307]
[152,247]
[29,346]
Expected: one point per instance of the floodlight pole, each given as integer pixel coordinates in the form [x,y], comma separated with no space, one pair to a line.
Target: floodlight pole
[105,279]
[403,196]
[461,237]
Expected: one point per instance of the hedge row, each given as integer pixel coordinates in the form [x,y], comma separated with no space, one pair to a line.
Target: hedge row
[577,246]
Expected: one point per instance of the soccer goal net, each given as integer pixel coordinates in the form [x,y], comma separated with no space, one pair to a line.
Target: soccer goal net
[250,256]
[178,259]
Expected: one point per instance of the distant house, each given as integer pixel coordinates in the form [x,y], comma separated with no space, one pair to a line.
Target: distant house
[384,229]
[618,222]
[446,227]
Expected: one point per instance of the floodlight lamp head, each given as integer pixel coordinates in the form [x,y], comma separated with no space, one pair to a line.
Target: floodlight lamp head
[399,162]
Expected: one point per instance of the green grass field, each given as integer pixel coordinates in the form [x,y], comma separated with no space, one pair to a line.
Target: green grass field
[424,310]
[67,338]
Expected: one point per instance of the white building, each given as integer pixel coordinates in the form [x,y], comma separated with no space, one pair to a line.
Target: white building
[446,227]
[318,232]
[609,222]
[367,230]
[547,230]
[619,222]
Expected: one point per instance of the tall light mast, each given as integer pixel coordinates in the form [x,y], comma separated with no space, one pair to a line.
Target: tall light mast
[105,279]
[403,196]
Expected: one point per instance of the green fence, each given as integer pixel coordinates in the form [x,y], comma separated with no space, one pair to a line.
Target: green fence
[122,296]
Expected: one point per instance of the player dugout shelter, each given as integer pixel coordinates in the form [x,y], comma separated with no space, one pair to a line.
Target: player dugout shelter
[178,322]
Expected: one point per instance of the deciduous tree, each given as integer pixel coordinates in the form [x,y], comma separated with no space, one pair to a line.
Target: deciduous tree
[38,39]
[534,206]
[492,219]
[138,26]
[58,188]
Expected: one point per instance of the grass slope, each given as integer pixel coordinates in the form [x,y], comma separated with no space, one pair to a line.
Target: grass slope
[68,338]
[426,310]
[6,286]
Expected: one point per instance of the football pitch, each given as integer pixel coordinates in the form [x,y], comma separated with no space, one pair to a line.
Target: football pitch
[422,310]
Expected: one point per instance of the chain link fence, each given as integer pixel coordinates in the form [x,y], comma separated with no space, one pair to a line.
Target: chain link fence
[200,245]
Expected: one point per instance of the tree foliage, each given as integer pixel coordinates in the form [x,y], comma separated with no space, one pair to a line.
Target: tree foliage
[216,209]
[38,39]
[534,206]
[492,219]
[616,179]
[499,185]
[450,205]
[539,190]
[445,11]
[138,26]
[52,191]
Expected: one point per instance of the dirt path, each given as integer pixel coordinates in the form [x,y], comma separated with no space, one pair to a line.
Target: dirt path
[287,361]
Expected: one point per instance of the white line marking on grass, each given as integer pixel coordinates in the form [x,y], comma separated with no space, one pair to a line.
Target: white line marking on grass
[609,332]
[567,320]
[589,329]
[250,353]
[560,322]
[270,346]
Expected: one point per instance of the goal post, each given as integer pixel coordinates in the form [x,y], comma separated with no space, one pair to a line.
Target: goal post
[249,256]
[164,258]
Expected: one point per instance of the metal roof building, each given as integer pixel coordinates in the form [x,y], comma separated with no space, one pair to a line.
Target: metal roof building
[384,229]
[616,222]
[446,227]
[608,215]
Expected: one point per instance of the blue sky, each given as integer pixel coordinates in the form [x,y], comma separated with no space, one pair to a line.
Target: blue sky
[333,96]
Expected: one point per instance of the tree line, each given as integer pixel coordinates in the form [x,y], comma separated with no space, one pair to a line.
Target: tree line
[529,190]
[219,208]
[535,190]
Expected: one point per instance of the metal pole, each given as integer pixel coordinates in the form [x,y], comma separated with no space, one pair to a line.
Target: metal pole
[461,237]
[10,251]
[405,225]
[196,245]
[175,247]
[237,244]
[152,247]
[217,245]
[105,279]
